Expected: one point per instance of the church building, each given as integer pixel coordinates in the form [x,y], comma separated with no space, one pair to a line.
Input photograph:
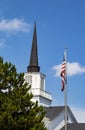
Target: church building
[54,118]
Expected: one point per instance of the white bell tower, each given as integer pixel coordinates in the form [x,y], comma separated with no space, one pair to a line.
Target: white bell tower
[35,78]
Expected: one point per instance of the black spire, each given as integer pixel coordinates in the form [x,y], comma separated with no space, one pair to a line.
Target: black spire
[33,65]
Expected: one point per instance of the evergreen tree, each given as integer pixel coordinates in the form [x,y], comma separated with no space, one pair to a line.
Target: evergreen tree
[17,111]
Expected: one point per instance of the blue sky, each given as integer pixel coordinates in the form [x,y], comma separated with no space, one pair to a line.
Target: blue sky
[60,24]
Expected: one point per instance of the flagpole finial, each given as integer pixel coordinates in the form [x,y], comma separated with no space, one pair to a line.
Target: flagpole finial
[65,48]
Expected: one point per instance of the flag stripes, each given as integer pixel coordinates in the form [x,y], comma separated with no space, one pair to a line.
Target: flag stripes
[63,73]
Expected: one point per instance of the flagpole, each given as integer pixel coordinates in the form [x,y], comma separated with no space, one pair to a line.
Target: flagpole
[65,91]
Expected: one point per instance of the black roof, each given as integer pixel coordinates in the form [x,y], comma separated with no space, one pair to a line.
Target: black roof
[33,64]
[75,126]
[55,111]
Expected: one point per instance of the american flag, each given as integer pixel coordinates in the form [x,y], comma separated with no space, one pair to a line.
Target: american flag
[63,73]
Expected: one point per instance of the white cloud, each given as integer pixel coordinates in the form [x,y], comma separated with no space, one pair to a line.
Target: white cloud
[79,113]
[73,68]
[14,25]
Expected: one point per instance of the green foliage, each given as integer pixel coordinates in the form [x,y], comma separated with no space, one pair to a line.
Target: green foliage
[17,111]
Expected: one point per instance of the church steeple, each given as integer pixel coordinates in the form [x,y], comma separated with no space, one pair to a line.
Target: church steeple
[35,78]
[33,65]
